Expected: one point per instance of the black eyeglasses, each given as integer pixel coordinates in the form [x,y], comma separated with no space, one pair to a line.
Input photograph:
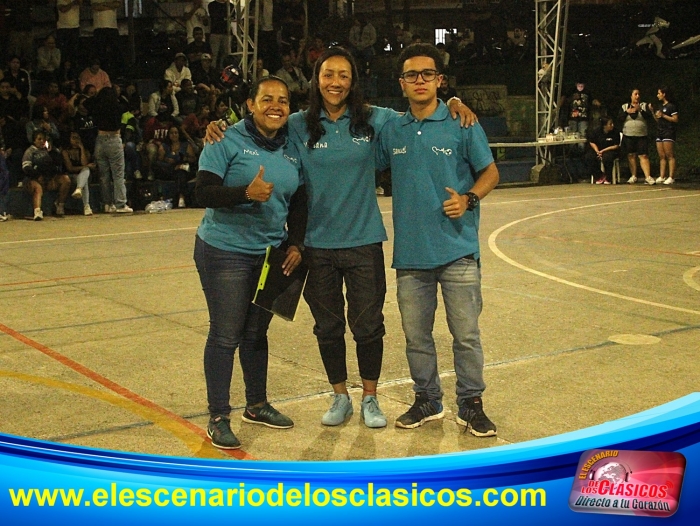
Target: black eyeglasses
[412,76]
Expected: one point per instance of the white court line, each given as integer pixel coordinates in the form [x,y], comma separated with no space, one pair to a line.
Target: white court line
[92,236]
[688,278]
[494,248]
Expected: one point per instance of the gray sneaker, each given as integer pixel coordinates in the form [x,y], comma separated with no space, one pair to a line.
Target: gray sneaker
[370,413]
[340,411]
[219,430]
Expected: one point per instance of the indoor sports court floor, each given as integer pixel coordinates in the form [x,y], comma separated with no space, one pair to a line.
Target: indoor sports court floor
[591,313]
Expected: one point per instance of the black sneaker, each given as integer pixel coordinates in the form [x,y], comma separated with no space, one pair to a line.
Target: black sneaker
[471,415]
[219,430]
[267,416]
[422,411]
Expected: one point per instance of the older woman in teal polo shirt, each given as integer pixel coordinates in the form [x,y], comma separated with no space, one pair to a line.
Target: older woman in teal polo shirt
[249,187]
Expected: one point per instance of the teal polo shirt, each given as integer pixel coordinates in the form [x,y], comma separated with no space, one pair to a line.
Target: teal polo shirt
[425,157]
[251,227]
[339,175]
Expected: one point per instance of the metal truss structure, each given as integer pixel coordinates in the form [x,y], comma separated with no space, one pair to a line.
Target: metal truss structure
[551,20]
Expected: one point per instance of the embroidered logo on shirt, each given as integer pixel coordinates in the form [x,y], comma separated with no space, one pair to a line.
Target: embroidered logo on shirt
[358,140]
[400,151]
[251,152]
[321,145]
[438,151]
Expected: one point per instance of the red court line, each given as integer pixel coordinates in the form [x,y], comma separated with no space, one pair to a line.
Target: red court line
[115,387]
[99,275]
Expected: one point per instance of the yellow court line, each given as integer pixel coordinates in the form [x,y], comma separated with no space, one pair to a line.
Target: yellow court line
[200,448]
[494,248]
[688,278]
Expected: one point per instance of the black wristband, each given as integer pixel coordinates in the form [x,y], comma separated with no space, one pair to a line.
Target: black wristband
[472,200]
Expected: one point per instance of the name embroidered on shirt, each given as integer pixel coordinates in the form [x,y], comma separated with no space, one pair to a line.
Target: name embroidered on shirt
[291,159]
[251,152]
[321,145]
[399,151]
[359,140]
[438,151]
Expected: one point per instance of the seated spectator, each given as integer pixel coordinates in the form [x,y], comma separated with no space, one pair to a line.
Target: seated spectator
[163,101]
[79,108]
[48,60]
[187,99]
[206,79]
[55,102]
[155,131]
[89,91]
[222,110]
[76,161]
[178,71]
[41,120]
[297,83]
[194,127]
[605,146]
[196,18]
[259,70]
[175,162]
[20,82]
[94,75]
[445,92]
[131,91]
[67,78]
[14,109]
[122,99]
[132,137]
[42,172]
[195,49]
[445,56]
[314,51]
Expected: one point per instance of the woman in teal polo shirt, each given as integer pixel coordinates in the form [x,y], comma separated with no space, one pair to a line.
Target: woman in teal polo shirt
[250,190]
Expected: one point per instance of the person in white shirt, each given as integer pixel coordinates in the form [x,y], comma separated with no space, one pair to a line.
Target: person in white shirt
[48,60]
[178,71]
[68,28]
[196,16]
[106,34]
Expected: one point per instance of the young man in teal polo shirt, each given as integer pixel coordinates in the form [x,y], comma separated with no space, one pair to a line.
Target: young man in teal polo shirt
[440,172]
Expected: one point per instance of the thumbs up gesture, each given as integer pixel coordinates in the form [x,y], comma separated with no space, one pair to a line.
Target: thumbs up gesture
[259,189]
[456,205]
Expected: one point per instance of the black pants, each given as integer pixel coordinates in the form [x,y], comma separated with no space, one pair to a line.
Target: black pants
[362,271]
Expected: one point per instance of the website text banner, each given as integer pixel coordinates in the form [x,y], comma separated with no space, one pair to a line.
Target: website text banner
[43,482]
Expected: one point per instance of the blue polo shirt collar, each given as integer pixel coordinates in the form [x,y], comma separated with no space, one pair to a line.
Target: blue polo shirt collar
[440,114]
[345,115]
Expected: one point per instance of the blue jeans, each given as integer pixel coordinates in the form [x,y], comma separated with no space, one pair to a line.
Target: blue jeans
[229,280]
[362,270]
[461,292]
[109,156]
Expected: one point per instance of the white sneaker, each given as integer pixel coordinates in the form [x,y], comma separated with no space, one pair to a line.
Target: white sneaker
[632,180]
[380,190]
[181,203]
[38,214]
[4,217]
[87,210]
[78,194]
[650,181]
[669,180]
[110,209]
[659,179]
[124,210]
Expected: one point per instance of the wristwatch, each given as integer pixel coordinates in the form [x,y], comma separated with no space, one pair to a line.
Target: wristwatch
[472,200]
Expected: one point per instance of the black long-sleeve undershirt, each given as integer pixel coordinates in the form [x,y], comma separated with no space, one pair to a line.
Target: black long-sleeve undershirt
[210,192]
